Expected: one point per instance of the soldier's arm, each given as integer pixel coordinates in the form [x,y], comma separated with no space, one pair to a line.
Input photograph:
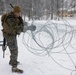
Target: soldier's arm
[21,24]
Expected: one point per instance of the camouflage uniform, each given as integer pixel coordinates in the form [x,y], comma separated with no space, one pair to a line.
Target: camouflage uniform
[11,27]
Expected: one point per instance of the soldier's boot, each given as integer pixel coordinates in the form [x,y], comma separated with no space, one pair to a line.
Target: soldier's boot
[10,62]
[16,70]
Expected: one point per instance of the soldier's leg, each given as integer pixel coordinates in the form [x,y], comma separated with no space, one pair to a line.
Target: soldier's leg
[12,44]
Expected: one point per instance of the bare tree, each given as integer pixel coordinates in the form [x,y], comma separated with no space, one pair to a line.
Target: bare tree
[35,8]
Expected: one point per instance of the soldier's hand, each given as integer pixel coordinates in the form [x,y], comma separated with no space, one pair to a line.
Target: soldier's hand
[32,28]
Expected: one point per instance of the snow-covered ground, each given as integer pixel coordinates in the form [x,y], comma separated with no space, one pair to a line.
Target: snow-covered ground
[54,64]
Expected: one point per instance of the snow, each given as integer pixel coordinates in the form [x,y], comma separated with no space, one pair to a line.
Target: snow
[39,65]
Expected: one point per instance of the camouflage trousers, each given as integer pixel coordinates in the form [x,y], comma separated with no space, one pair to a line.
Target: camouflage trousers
[12,44]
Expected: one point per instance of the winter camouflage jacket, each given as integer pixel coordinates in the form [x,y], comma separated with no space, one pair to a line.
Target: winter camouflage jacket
[12,25]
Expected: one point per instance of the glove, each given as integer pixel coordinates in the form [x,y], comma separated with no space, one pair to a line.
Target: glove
[31,28]
[25,28]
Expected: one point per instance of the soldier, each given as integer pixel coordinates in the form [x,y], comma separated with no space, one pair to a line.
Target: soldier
[12,26]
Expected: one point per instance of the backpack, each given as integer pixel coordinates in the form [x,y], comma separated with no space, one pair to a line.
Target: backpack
[4,40]
[3,18]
